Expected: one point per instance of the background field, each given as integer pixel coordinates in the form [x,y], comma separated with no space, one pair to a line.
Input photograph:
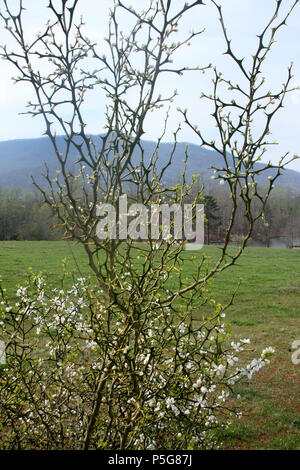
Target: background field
[266,309]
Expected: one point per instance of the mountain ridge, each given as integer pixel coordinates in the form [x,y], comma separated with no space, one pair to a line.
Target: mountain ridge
[22,158]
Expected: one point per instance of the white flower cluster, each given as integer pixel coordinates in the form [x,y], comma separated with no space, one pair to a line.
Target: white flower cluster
[160,369]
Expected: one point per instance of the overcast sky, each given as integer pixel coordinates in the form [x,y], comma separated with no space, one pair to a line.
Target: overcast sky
[245,19]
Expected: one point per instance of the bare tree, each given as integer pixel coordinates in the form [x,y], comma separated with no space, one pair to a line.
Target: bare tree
[153,376]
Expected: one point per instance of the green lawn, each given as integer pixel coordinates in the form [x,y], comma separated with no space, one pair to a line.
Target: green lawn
[266,309]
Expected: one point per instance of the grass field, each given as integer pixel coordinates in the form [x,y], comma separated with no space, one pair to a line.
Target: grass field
[266,309]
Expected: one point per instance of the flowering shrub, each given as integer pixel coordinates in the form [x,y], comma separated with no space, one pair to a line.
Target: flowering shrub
[135,363]
[81,373]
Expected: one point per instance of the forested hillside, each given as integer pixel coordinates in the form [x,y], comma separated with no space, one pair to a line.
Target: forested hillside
[24,216]
[21,159]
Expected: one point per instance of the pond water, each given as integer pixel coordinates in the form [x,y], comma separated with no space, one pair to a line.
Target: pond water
[277,242]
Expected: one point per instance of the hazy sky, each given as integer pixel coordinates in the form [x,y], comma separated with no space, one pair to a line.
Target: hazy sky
[245,19]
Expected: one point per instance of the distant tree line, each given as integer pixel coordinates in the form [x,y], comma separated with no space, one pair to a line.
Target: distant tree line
[281,217]
[24,216]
